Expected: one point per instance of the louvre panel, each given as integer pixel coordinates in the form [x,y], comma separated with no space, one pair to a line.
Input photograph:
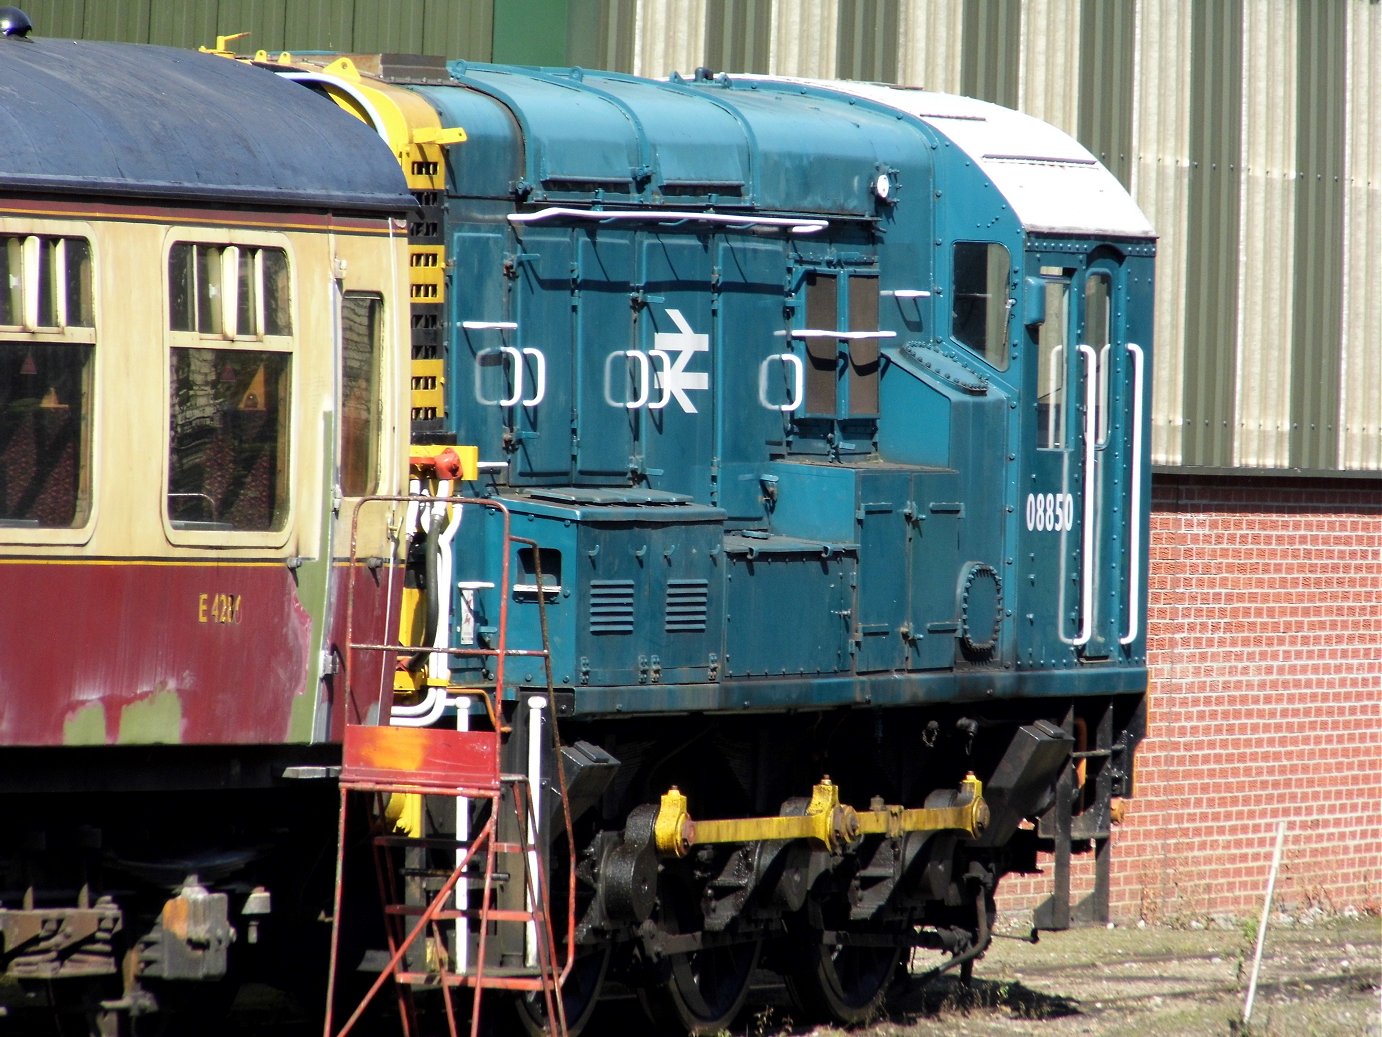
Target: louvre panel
[687,604]
[611,606]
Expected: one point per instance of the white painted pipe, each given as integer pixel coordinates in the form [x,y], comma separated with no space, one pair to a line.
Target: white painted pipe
[460,895]
[536,705]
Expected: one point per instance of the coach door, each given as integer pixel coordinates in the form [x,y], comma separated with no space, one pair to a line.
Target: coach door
[1079,511]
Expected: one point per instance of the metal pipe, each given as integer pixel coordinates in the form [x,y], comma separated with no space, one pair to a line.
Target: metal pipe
[536,705]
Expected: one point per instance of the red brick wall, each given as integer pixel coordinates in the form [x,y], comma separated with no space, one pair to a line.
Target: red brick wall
[1265,647]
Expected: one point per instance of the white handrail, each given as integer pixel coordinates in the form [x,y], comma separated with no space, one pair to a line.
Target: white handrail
[536,704]
[826,333]
[791,224]
[645,377]
[539,376]
[517,357]
[660,379]
[1087,560]
[798,382]
[1135,508]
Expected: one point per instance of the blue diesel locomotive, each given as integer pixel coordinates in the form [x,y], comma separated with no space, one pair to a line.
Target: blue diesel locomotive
[708,515]
[820,409]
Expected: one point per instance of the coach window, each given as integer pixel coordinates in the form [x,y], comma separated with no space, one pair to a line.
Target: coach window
[1052,342]
[979,310]
[230,368]
[46,363]
[360,399]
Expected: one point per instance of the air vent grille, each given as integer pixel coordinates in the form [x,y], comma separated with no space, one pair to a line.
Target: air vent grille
[687,603]
[611,606]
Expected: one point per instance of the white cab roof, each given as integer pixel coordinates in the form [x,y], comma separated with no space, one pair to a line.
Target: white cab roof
[1051,181]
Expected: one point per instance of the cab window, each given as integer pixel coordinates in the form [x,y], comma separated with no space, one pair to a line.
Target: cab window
[1052,343]
[979,307]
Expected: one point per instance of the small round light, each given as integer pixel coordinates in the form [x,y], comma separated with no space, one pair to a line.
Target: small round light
[883,186]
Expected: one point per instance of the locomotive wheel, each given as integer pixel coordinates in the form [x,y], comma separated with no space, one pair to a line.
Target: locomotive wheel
[579,994]
[703,990]
[842,984]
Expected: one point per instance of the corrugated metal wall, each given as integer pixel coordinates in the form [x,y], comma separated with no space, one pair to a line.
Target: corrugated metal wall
[1249,130]
[457,28]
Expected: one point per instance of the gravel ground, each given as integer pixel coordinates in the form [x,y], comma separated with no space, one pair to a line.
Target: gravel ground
[1319,978]
[1322,979]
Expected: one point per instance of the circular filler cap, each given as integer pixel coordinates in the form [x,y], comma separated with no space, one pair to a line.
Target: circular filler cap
[981,607]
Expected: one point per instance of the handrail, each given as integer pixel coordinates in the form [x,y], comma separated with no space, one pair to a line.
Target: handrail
[827,333]
[498,653]
[1135,508]
[1087,561]
[798,382]
[791,224]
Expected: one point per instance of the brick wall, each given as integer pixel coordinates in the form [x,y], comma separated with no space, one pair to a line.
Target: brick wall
[1265,647]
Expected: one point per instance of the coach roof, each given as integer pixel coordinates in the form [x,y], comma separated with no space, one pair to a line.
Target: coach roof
[159,123]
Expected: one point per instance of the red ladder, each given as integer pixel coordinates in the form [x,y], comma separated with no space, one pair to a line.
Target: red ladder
[456,764]
[461,765]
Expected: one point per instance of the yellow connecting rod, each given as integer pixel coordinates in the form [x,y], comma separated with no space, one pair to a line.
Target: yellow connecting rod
[827,821]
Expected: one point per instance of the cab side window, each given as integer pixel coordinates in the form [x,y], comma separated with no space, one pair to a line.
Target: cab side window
[979,310]
[1053,340]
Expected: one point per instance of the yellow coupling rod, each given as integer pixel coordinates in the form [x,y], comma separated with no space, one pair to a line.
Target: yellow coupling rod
[827,821]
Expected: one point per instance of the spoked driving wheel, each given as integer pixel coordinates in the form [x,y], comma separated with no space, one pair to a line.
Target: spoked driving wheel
[843,982]
[704,989]
[704,981]
[579,995]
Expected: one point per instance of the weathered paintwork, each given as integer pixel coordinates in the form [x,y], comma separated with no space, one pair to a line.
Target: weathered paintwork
[149,653]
